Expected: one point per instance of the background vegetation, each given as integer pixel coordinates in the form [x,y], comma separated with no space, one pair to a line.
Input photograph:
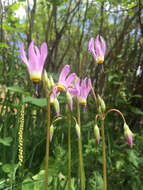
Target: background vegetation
[66,26]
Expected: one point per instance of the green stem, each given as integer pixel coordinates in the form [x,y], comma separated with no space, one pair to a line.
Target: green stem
[69,151]
[103,152]
[117,111]
[47,142]
[82,182]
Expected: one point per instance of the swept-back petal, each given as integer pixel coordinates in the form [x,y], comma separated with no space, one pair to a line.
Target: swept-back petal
[91,44]
[37,51]
[44,52]
[83,83]
[72,91]
[33,61]
[98,47]
[77,86]
[103,43]
[22,55]
[65,71]
[89,85]
[70,79]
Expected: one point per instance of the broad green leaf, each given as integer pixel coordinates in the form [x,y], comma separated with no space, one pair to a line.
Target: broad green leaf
[16,89]
[9,168]
[136,110]
[6,141]
[2,183]
[41,102]
[28,184]
[133,157]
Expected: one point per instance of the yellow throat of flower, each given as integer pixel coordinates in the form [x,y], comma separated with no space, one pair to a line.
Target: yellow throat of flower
[35,76]
[82,101]
[60,87]
[99,60]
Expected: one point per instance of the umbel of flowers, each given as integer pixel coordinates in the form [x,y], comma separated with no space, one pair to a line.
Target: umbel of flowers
[75,89]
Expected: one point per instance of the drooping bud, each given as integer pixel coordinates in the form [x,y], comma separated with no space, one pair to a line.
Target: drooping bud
[46,80]
[57,106]
[52,82]
[97,133]
[51,132]
[77,129]
[101,103]
[128,135]
[69,100]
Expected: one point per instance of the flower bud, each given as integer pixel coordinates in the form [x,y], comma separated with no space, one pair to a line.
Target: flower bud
[57,106]
[77,129]
[51,132]
[52,82]
[69,100]
[128,135]
[102,106]
[97,133]
[46,80]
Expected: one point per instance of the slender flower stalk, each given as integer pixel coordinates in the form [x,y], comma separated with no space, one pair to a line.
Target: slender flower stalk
[101,115]
[127,132]
[69,150]
[47,142]
[103,152]
[82,175]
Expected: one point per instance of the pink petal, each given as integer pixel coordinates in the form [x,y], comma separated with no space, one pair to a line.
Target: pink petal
[98,47]
[91,47]
[72,91]
[33,59]
[65,71]
[91,44]
[43,53]
[83,90]
[77,87]
[37,51]
[103,45]
[97,139]
[70,79]
[22,54]
[89,85]
[130,141]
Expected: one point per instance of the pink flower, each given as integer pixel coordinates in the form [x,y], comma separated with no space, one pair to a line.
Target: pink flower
[98,51]
[36,60]
[64,80]
[83,90]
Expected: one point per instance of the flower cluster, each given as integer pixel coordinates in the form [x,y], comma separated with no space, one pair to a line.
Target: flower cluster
[68,82]
[35,65]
